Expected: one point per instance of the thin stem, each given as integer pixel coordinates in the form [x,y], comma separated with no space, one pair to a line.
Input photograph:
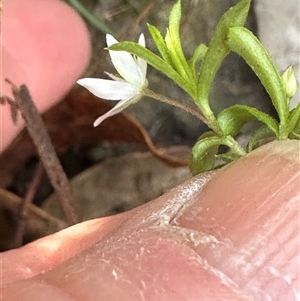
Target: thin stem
[235,146]
[177,104]
[89,16]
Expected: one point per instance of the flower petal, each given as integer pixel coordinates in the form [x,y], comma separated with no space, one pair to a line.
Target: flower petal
[109,89]
[142,63]
[120,106]
[125,64]
[142,41]
[114,77]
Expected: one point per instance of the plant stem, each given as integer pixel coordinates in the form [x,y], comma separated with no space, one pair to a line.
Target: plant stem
[177,104]
[235,146]
[99,24]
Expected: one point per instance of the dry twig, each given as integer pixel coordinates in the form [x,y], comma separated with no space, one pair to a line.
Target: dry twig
[41,139]
[23,209]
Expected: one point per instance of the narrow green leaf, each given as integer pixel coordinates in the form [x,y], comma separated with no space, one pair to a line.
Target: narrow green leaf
[295,133]
[243,42]
[160,43]
[175,17]
[294,118]
[204,152]
[232,119]
[218,50]
[198,56]
[175,56]
[173,43]
[153,60]
[228,157]
[258,137]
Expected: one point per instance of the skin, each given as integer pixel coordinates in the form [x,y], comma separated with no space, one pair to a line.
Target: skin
[45,45]
[228,235]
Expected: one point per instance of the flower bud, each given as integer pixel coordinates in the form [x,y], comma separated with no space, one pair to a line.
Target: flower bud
[289,82]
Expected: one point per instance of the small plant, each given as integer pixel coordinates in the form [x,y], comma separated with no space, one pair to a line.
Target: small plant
[195,76]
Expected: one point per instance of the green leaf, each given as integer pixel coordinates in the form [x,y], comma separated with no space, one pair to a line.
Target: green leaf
[175,17]
[198,56]
[153,60]
[232,119]
[218,50]
[228,157]
[173,44]
[258,137]
[295,134]
[243,42]
[204,153]
[294,120]
[160,43]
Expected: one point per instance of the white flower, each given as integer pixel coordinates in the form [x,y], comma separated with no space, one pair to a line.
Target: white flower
[126,89]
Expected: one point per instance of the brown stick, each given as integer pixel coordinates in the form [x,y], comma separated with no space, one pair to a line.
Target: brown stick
[13,202]
[27,200]
[41,139]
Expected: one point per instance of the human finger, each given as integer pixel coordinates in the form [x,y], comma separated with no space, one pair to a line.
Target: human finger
[233,236]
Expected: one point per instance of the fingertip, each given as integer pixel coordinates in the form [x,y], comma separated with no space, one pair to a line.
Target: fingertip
[50,46]
[249,214]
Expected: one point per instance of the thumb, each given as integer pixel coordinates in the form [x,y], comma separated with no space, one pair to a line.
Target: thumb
[46,46]
[231,236]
